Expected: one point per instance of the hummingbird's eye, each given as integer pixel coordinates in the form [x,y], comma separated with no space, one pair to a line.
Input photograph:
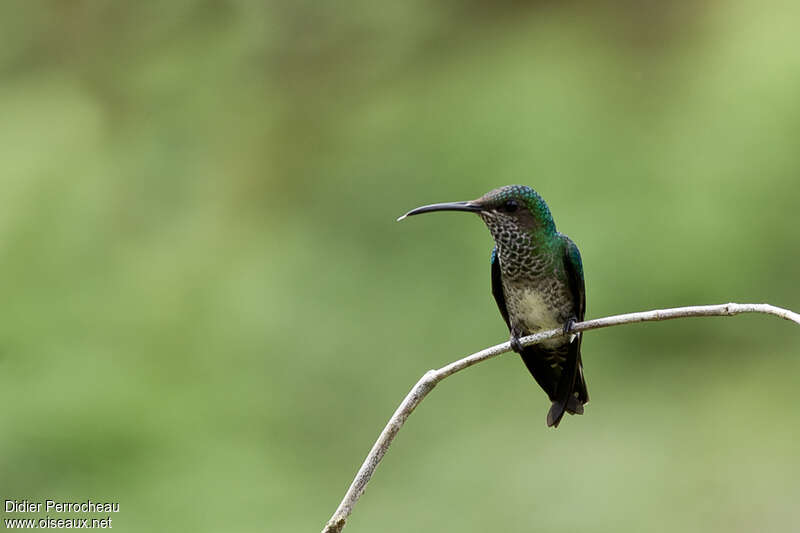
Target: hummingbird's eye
[510,206]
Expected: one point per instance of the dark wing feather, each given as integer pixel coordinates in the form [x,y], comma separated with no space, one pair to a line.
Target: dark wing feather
[573,266]
[497,287]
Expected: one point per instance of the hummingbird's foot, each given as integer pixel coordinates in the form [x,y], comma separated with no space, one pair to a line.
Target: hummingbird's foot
[515,344]
[569,324]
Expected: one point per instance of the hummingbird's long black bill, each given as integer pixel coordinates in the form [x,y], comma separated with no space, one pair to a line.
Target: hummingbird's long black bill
[470,207]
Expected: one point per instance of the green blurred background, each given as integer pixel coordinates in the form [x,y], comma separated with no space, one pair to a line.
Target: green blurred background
[208,310]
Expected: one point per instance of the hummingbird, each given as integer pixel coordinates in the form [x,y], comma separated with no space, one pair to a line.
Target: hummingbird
[537,282]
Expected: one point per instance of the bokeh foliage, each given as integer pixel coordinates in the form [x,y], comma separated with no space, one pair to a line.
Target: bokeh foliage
[208,311]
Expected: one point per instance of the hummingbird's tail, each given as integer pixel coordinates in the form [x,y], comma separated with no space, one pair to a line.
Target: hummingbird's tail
[562,381]
[574,402]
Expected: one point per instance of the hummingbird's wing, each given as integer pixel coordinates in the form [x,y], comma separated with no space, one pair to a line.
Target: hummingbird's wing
[571,393]
[497,287]
[574,269]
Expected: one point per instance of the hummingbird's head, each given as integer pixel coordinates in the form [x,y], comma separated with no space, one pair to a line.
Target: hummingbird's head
[507,210]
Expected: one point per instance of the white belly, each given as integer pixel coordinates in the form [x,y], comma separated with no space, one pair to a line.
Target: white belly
[535,313]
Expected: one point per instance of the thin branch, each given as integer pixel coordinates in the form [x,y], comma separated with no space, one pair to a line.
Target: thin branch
[433,377]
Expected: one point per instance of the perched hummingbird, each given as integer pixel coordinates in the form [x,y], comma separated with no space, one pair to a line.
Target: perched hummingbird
[537,281]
